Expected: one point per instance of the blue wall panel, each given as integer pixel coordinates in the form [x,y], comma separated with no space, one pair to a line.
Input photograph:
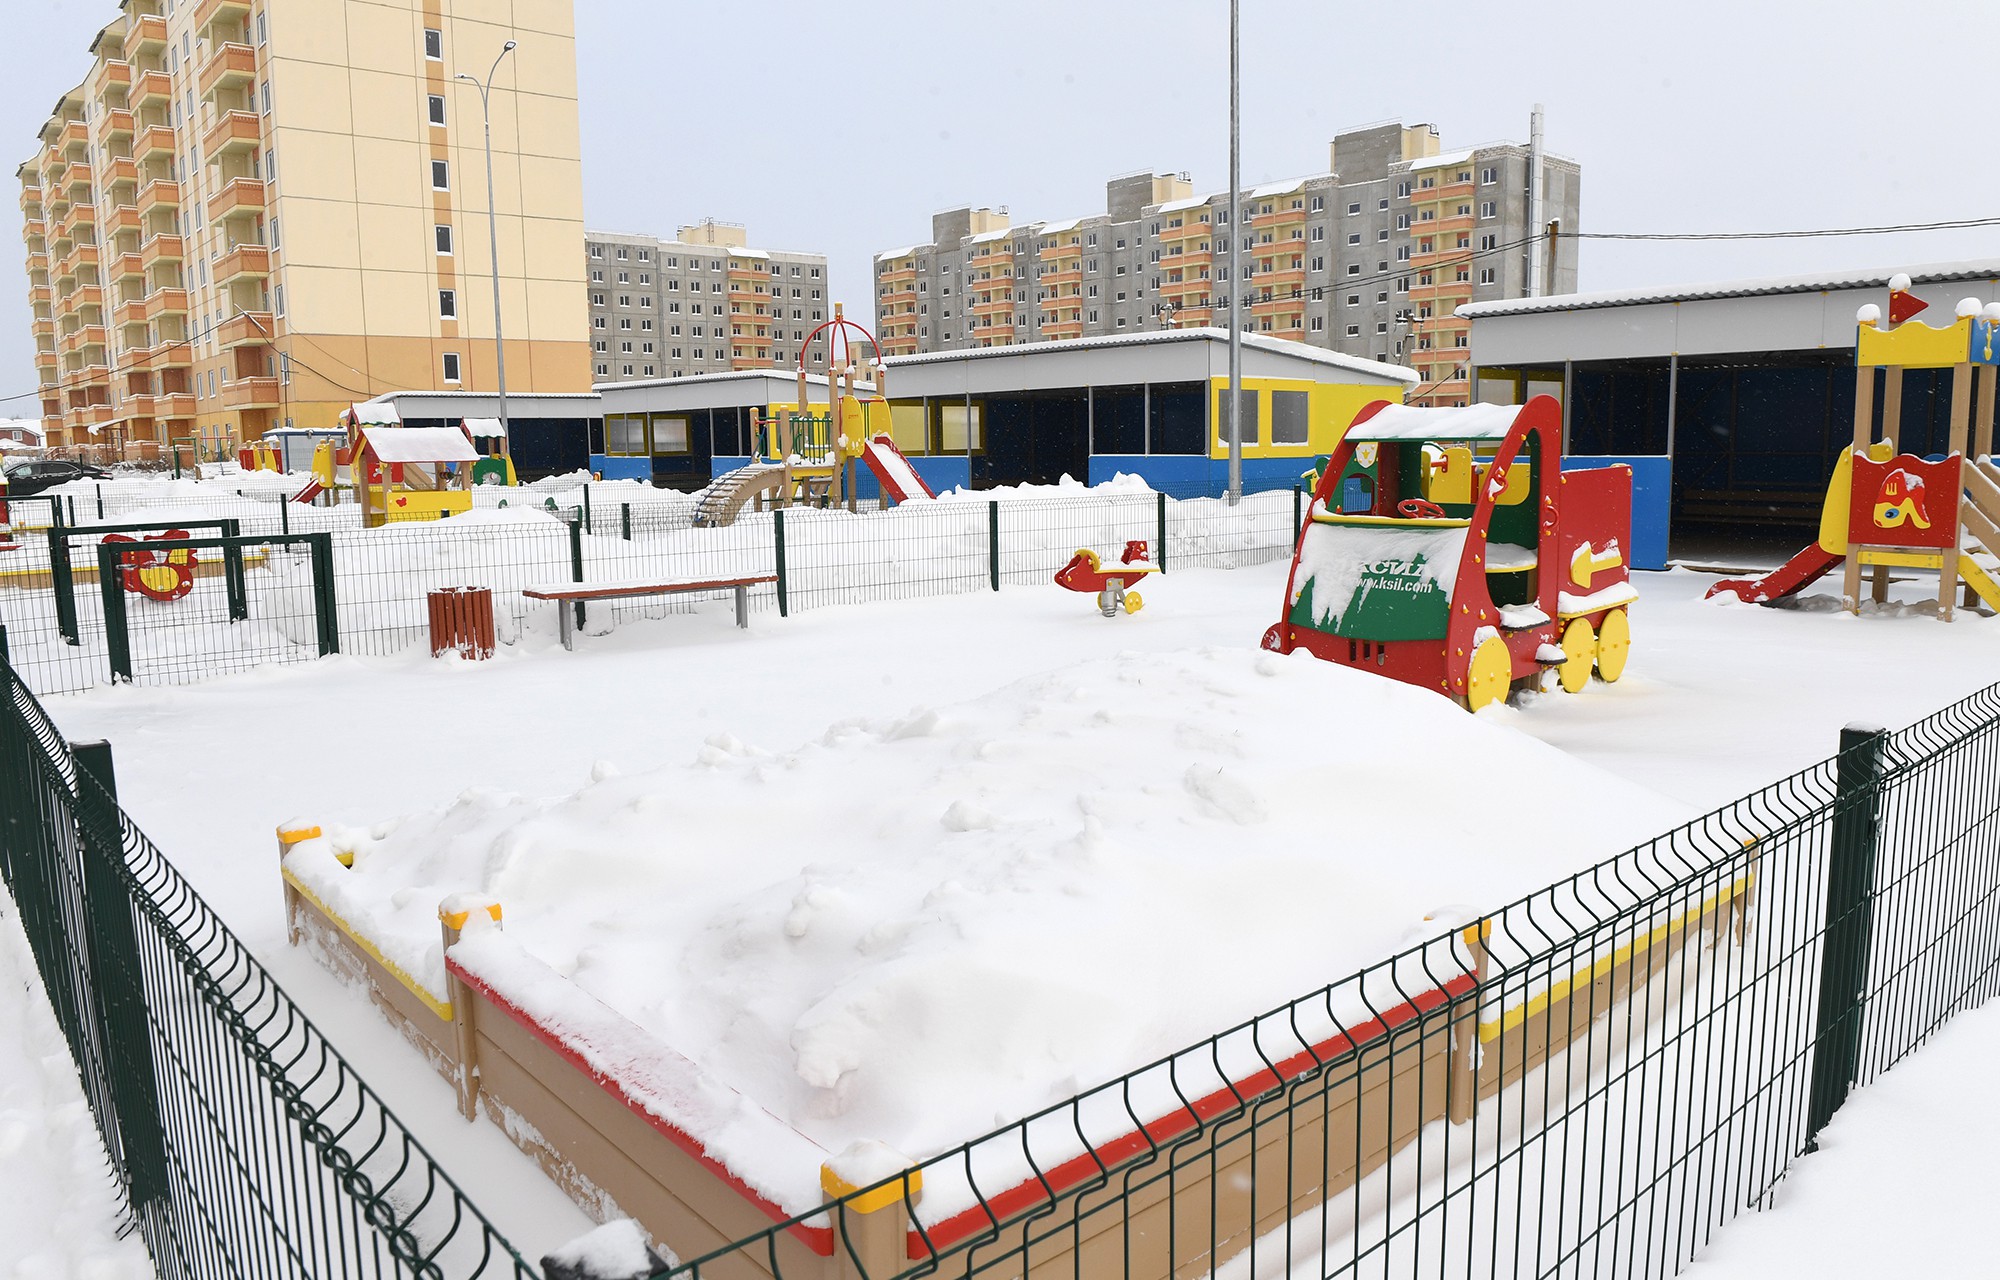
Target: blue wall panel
[622,468]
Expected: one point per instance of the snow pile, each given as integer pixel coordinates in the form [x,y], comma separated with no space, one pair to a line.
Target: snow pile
[1912,1149]
[916,929]
[61,1212]
[618,1250]
[1340,566]
[1120,485]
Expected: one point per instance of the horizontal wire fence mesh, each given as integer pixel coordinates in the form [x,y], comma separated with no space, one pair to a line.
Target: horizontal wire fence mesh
[381,578]
[244,1145]
[1587,1082]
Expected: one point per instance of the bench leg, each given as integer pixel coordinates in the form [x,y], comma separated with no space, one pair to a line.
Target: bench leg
[566,623]
[743,607]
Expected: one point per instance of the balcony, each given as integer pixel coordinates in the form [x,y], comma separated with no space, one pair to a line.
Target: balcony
[165,302]
[118,171]
[233,131]
[152,87]
[1069,275]
[208,12]
[901,275]
[161,249]
[244,262]
[243,329]
[1454,291]
[238,195]
[45,360]
[113,76]
[127,266]
[77,185]
[1278,303]
[118,123]
[83,255]
[176,404]
[34,229]
[1439,258]
[44,329]
[31,201]
[228,66]
[1061,330]
[251,393]
[145,32]
[160,193]
[90,335]
[169,355]
[40,295]
[75,137]
[1187,261]
[129,313]
[123,219]
[156,142]
[86,295]
[1443,191]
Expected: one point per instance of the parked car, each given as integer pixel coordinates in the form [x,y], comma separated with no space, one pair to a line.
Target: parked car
[25,479]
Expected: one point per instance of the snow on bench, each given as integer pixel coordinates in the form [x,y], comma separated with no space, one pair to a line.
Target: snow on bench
[564,593]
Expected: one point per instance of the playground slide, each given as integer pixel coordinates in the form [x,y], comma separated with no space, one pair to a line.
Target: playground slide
[899,479]
[724,499]
[1789,578]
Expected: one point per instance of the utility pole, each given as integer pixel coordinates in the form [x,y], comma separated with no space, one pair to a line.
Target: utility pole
[1538,246]
[1235,492]
[493,238]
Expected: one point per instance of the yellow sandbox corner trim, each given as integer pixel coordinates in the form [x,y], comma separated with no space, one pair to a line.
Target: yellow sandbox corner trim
[441,1008]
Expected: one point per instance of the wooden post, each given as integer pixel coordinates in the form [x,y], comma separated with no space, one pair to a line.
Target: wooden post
[289,834]
[1982,420]
[1864,435]
[1462,1076]
[871,1230]
[1961,418]
[454,914]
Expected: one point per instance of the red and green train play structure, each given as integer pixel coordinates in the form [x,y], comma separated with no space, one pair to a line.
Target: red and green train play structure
[1448,549]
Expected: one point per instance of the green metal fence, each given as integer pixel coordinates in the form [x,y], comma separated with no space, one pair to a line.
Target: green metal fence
[244,1144]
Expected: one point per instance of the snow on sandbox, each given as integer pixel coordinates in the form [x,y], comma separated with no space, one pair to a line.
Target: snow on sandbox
[914,930]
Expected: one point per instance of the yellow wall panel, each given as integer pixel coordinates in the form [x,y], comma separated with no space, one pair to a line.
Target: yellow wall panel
[314,165]
[323,300]
[384,37]
[389,106]
[318,233]
[316,91]
[396,239]
[396,173]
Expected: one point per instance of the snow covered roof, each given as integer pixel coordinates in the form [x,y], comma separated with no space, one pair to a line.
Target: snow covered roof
[419,444]
[1817,282]
[1440,161]
[890,255]
[986,237]
[485,429]
[1251,341]
[1192,202]
[374,413]
[1406,422]
[1284,188]
[1057,228]
[738,251]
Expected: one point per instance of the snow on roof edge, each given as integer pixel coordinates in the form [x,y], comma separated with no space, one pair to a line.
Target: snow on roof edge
[1263,342]
[1816,282]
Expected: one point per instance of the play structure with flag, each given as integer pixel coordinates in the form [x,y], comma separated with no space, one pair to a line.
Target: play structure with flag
[1887,510]
[809,458]
[1447,548]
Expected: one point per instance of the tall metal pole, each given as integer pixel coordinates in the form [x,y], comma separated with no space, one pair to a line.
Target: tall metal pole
[1235,493]
[493,241]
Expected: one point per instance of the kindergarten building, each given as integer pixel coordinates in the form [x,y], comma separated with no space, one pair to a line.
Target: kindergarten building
[1738,396]
[1144,404]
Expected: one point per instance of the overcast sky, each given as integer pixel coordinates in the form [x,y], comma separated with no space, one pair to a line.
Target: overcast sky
[840,127]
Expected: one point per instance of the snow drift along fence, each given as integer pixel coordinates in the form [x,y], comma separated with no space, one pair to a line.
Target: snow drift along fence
[243,1143]
[277,604]
[1587,1082]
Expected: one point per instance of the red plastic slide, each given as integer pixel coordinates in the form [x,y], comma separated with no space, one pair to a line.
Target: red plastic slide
[900,480]
[1789,578]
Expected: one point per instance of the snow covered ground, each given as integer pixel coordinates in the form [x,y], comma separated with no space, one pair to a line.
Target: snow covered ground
[1717,700]
[1902,1184]
[60,1213]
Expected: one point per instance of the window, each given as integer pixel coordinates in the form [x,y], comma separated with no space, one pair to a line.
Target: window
[1354,331]
[1403,190]
[451,366]
[1486,275]
[444,239]
[1353,238]
[1353,299]
[448,303]
[1488,208]
[1488,176]
[1354,268]
[1489,242]
[1353,208]
[440,175]
[1319,234]
[434,47]
[437,118]
[1319,204]
[264,98]
[262,33]
[1289,420]
[1318,324]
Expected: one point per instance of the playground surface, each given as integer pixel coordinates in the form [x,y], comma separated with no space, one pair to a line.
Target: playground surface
[1719,698]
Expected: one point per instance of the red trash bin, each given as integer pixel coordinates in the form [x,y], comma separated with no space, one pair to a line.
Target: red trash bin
[462,621]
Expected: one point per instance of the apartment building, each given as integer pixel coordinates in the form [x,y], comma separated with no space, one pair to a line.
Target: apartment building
[703,302]
[1370,258]
[252,213]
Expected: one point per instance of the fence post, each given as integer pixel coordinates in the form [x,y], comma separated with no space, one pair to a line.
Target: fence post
[234,584]
[993,543]
[778,545]
[177,461]
[625,521]
[100,502]
[285,516]
[1845,945]
[1163,533]
[111,590]
[576,554]
[326,606]
[62,581]
[117,983]
[587,525]
[1298,512]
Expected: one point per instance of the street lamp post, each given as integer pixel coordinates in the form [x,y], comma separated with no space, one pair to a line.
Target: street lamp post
[1235,492]
[485,88]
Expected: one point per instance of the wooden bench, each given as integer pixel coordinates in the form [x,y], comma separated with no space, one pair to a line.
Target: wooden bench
[568,593]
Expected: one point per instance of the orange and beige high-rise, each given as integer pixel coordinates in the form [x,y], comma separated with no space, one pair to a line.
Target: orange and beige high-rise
[253,213]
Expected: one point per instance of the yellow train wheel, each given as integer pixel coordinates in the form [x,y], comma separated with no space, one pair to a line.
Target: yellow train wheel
[1490,675]
[1614,645]
[1133,602]
[1579,646]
